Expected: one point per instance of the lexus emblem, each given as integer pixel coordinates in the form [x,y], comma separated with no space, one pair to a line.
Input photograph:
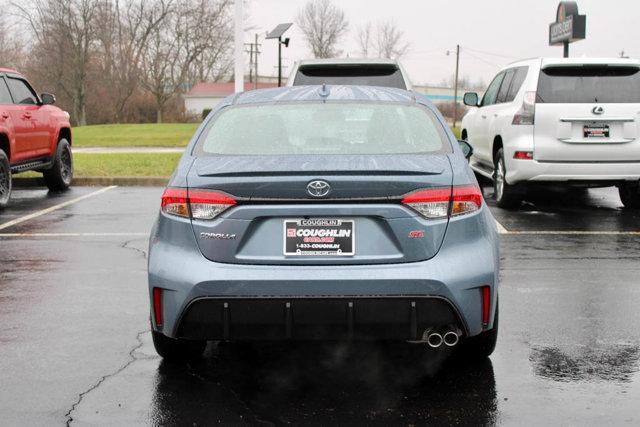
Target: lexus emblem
[318,188]
[597,110]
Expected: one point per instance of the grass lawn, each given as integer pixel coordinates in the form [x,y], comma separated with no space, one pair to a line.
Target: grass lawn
[456,131]
[134,164]
[134,135]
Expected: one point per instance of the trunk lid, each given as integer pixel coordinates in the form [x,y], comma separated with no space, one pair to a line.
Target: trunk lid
[574,133]
[365,192]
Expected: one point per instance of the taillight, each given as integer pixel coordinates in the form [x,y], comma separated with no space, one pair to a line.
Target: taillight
[200,204]
[526,114]
[208,204]
[175,202]
[157,306]
[486,304]
[437,203]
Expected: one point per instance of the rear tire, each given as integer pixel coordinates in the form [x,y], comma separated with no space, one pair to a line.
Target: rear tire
[59,177]
[5,180]
[630,194]
[177,350]
[482,346]
[507,196]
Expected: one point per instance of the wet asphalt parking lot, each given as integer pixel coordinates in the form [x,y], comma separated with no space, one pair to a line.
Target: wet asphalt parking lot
[75,346]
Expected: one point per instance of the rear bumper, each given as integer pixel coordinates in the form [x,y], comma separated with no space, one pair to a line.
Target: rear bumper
[533,170]
[445,289]
[305,318]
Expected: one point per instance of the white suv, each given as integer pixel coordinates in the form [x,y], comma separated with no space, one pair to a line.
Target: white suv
[568,121]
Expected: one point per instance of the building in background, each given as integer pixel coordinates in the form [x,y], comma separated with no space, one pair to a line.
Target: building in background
[205,96]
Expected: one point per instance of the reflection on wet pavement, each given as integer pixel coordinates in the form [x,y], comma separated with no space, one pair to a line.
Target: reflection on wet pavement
[615,364]
[326,384]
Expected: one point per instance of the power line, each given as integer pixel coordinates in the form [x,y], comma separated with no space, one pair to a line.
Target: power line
[483,52]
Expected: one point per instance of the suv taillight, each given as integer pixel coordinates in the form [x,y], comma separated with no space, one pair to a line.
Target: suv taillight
[526,114]
[197,204]
[435,203]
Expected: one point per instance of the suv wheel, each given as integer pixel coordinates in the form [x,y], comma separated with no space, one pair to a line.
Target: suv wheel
[177,350]
[5,179]
[506,195]
[58,178]
[630,194]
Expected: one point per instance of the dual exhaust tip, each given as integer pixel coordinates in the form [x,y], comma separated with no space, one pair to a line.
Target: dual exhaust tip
[435,339]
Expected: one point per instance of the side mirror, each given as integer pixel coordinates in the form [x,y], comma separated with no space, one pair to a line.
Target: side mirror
[466,148]
[470,99]
[48,98]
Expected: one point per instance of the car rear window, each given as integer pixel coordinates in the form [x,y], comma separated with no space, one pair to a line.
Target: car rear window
[587,84]
[323,128]
[386,75]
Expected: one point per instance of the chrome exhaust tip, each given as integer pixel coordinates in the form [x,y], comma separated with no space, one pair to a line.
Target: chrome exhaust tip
[451,338]
[434,340]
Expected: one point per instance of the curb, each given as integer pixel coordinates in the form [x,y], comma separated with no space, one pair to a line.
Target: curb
[124,181]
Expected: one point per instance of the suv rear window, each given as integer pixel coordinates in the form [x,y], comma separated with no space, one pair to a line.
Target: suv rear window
[323,128]
[587,84]
[387,75]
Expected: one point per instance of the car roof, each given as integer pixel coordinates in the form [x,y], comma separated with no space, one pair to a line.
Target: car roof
[549,62]
[335,93]
[329,61]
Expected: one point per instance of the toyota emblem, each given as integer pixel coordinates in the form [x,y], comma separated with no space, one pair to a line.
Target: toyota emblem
[597,110]
[318,188]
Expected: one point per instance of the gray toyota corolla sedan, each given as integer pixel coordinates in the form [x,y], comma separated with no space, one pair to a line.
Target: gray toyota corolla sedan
[324,212]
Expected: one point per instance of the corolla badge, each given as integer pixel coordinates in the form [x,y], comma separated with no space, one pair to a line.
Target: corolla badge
[318,188]
[597,110]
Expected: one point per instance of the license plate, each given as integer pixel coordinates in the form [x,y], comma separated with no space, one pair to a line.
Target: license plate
[596,131]
[319,237]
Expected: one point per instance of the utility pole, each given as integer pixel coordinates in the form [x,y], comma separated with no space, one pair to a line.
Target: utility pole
[256,60]
[239,44]
[253,50]
[455,87]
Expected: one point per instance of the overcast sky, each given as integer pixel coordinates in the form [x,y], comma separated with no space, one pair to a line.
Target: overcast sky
[491,33]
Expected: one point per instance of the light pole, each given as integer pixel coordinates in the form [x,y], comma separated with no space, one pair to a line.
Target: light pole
[277,33]
[455,86]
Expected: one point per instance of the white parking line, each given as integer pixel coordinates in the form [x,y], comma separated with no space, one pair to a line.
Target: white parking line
[501,229]
[74,235]
[54,208]
[575,233]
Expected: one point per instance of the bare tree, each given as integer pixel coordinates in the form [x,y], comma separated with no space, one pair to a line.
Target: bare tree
[386,41]
[363,38]
[194,30]
[11,48]
[389,41]
[64,32]
[123,34]
[216,60]
[323,25]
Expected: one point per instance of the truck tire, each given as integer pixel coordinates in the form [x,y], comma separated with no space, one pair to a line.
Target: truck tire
[5,179]
[507,196]
[177,350]
[59,177]
[630,194]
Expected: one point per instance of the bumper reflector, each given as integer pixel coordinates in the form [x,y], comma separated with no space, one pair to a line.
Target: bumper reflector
[486,305]
[523,155]
[157,306]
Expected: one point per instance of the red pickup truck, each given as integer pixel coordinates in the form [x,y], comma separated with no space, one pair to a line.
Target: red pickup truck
[34,135]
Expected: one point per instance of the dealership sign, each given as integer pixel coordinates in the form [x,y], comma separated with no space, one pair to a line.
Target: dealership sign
[569,26]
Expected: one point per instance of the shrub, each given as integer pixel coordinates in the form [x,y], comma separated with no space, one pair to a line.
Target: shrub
[205,113]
